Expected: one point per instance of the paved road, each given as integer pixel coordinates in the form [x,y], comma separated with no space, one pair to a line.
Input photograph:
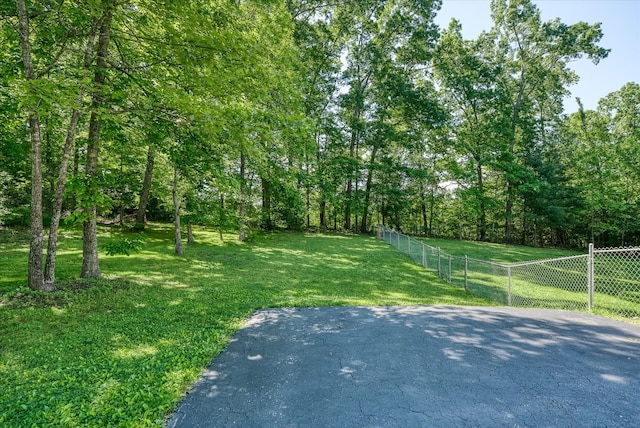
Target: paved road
[427,366]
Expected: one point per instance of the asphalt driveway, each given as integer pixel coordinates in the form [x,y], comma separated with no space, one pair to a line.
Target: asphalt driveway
[421,366]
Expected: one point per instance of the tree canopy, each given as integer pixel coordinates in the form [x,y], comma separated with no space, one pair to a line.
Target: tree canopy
[265,114]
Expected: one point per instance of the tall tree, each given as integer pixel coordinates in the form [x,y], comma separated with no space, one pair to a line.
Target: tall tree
[535,56]
[468,82]
[36,275]
[387,47]
[90,263]
[56,212]
[622,109]
[146,188]
[176,207]
[601,158]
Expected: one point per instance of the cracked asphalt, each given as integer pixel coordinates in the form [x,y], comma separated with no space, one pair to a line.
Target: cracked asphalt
[421,366]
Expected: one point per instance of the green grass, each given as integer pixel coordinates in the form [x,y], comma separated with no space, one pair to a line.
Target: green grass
[123,349]
[498,253]
[558,284]
[487,272]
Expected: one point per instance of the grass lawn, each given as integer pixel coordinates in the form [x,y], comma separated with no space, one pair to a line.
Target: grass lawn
[560,284]
[122,350]
[486,271]
[498,253]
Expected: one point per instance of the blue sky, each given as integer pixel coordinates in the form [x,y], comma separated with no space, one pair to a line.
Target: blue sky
[620,24]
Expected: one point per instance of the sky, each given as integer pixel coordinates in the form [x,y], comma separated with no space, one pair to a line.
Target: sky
[620,25]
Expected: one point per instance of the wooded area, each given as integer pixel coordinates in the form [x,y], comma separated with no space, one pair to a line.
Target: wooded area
[298,114]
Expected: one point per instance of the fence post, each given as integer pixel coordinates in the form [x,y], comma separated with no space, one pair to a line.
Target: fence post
[466,261]
[439,262]
[398,247]
[449,268]
[509,286]
[409,244]
[424,260]
[590,277]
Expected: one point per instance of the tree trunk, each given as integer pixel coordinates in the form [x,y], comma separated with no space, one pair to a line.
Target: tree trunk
[508,215]
[349,191]
[35,273]
[423,210]
[523,234]
[242,210]
[56,212]
[308,204]
[50,266]
[35,276]
[122,213]
[47,165]
[146,189]
[176,212]
[321,188]
[190,239]
[74,176]
[267,223]
[90,263]
[367,192]
[432,208]
[396,211]
[347,206]
[222,217]
[508,224]
[307,189]
[481,233]
[323,214]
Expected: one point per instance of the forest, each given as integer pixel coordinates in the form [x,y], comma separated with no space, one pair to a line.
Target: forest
[319,115]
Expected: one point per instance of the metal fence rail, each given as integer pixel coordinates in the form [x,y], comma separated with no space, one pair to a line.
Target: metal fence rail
[606,280]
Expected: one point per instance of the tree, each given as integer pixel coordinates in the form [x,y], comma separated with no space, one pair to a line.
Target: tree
[50,265]
[622,110]
[385,46]
[468,82]
[176,204]
[534,57]
[602,161]
[36,276]
[57,81]
[90,263]
[146,188]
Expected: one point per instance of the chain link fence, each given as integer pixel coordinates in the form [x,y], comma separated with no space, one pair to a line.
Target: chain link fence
[606,280]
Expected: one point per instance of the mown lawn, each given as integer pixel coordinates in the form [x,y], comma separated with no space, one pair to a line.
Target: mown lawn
[498,253]
[122,350]
[560,284]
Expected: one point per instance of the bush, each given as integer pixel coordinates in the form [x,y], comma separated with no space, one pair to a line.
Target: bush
[124,246]
[19,217]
